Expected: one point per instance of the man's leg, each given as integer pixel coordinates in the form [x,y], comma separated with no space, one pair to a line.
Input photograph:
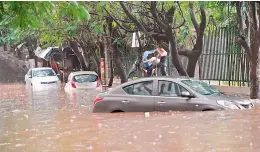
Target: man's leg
[149,70]
[163,69]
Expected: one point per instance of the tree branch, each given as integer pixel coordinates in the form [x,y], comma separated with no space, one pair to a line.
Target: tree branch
[158,36]
[155,15]
[193,17]
[184,21]
[244,44]
[170,13]
[199,41]
[121,26]
[185,52]
[138,24]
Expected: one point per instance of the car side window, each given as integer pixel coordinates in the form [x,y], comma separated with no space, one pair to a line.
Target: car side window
[168,88]
[141,88]
[182,89]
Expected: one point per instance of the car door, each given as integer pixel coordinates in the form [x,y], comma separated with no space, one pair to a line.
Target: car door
[139,98]
[169,97]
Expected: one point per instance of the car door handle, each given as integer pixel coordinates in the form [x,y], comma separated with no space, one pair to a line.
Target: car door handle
[125,101]
[161,102]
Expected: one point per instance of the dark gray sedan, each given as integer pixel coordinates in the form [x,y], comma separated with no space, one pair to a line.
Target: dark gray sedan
[166,94]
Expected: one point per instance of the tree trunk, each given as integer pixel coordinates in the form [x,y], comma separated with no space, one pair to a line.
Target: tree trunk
[105,46]
[192,65]
[175,56]
[111,80]
[118,64]
[254,72]
[96,60]
[85,57]
[35,61]
[75,49]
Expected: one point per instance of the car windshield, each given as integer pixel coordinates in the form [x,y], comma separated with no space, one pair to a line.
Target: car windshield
[200,87]
[43,73]
[85,78]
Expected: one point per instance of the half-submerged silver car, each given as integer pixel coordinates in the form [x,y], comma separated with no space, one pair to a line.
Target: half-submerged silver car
[166,94]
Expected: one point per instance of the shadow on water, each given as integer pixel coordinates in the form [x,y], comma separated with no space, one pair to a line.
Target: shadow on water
[51,120]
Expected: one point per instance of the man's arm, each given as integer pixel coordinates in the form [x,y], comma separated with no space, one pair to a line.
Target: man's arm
[149,60]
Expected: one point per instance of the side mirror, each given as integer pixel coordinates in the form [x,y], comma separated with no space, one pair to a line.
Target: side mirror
[58,74]
[29,76]
[186,94]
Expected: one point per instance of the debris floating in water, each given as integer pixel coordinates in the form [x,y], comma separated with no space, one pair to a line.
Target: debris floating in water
[147,114]
[89,147]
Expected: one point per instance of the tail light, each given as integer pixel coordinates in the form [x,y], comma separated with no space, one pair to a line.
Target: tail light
[73,83]
[98,99]
[98,82]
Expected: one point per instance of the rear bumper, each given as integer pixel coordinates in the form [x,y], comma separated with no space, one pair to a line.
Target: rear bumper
[45,86]
[99,89]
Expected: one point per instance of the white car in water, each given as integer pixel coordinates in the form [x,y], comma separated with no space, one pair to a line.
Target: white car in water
[41,78]
[83,80]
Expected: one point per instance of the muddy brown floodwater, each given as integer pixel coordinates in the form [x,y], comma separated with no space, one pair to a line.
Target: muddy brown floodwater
[52,121]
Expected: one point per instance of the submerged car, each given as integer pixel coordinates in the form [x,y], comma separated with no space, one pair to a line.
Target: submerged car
[83,80]
[42,77]
[166,94]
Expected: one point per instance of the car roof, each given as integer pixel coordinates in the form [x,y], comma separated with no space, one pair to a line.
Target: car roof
[41,68]
[83,72]
[163,78]
[172,78]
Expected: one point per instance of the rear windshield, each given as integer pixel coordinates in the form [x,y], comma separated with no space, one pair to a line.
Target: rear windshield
[43,73]
[85,78]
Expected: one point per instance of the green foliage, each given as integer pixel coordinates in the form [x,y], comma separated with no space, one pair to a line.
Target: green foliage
[53,22]
[118,42]
[49,21]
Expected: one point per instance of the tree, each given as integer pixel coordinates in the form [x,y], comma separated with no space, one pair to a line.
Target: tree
[158,21]
[46,23]
[49,22]
[248,18]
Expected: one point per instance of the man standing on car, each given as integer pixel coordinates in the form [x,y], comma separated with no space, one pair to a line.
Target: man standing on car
[162,54]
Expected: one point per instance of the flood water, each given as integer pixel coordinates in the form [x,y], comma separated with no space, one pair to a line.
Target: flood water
[53,121]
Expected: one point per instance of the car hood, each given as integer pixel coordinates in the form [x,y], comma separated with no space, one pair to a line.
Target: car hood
[45,79]
[233,98]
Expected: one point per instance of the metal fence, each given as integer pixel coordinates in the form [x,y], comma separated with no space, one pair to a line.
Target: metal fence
[222,59]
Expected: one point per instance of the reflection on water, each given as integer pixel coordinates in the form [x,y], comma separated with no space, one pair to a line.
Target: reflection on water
[53,121]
